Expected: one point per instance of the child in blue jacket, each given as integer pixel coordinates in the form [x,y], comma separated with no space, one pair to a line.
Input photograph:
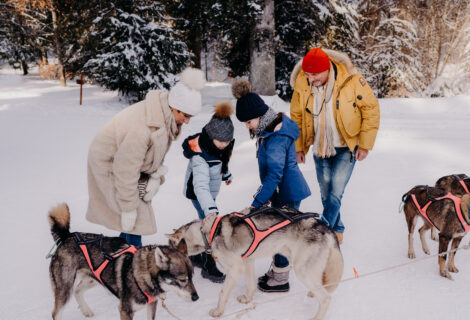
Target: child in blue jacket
[209,153]
[282,183]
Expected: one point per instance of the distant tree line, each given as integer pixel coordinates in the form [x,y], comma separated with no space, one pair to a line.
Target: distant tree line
[412,47]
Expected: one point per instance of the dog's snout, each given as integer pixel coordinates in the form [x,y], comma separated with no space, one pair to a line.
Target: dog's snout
[194,296]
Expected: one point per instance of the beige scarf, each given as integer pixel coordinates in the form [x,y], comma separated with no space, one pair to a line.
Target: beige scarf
[324,145]
[170,123]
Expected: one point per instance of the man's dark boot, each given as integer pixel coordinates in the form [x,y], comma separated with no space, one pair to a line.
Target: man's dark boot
[209,269]
[196,260]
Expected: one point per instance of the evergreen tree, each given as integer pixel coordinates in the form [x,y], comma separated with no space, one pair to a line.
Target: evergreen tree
[390,52]
[229,23]
[19,41]
[137,51]
[300,25]
[342,29]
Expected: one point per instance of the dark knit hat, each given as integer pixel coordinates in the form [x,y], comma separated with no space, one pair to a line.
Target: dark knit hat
[220,126]
[315,61]
[249,104]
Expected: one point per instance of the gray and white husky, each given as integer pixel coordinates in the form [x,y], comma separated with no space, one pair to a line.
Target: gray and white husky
[311,247]
[136,276]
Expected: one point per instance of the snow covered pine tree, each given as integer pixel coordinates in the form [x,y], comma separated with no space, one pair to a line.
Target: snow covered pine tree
[138,51]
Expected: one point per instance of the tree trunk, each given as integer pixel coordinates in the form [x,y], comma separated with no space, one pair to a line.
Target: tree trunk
[58,46]
[24,67]
[262,64]
[196,47]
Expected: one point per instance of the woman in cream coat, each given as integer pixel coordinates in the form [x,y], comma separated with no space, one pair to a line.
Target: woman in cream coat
[125,159]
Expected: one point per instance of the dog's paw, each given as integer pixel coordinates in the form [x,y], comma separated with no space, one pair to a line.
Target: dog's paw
[411,255]
[452,268]
[88,313]
[243,299]
[310,294]
[216,313]
[446,274]
[426,251]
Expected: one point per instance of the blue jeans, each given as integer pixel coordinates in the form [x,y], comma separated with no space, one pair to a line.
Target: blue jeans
[199,210]
[333,174]
[132,239]
[279,260]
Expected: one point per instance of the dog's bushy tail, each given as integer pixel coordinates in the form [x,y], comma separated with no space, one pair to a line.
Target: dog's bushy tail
[464,206]
[59,220]
[404,199]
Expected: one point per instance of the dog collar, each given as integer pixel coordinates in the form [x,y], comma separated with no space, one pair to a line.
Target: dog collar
[206,243]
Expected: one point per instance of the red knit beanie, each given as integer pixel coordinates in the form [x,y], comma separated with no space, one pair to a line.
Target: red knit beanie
[315,61]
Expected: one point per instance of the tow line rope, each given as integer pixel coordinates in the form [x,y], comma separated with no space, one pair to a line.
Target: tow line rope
[356,276]
[168,310]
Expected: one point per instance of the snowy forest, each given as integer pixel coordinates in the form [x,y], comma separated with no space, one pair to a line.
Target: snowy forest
[405,48]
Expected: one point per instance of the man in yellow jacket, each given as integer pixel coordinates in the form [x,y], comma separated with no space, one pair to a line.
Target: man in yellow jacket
[338,115]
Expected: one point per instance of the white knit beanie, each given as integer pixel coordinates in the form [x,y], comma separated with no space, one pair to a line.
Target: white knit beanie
[185,96]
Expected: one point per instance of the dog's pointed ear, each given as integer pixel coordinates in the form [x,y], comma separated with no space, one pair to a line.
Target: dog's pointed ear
[161,259]
[176,235]
[182,247]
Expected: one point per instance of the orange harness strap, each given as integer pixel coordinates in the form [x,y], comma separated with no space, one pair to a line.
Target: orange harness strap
[457,201]
[464,185]
[214,227]
[258,235]
[97,272]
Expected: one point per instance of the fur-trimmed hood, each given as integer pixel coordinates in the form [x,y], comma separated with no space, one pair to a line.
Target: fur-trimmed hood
[335,56]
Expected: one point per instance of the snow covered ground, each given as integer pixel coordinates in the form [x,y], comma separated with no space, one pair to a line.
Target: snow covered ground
[44,139]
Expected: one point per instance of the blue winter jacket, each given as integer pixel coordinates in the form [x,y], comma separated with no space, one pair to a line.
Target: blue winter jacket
[203,175]
[281,179]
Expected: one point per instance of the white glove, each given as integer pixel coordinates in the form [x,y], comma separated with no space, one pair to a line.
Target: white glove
[153,185]
[128,220]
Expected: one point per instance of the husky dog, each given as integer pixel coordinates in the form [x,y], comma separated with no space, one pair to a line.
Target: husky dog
[309,244]
[136,276]
[441,210]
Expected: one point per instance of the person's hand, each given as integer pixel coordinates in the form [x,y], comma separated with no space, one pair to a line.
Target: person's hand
[300,157]
[228,182]
[361,154]
[153,185]
[128,220]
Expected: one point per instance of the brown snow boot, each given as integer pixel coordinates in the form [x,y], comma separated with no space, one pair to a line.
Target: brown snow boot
[340,237]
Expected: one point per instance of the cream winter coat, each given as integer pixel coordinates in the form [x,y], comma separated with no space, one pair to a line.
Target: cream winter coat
[134,141]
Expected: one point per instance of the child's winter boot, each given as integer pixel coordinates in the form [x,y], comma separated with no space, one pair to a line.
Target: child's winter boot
[209,269]
[196,260]
[275,280]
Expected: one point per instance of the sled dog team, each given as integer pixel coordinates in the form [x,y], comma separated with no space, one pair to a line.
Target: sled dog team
[333,111]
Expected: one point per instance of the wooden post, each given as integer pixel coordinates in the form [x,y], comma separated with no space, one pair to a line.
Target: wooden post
[80,82]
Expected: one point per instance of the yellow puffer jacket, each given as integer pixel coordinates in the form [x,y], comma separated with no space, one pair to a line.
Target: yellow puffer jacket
[356,108]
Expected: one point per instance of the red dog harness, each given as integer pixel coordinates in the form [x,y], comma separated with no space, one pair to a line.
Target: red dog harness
[97,272]
[260,235]
[457,201]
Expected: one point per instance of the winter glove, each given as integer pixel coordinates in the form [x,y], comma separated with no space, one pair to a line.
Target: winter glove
[156,179]
[128,220]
